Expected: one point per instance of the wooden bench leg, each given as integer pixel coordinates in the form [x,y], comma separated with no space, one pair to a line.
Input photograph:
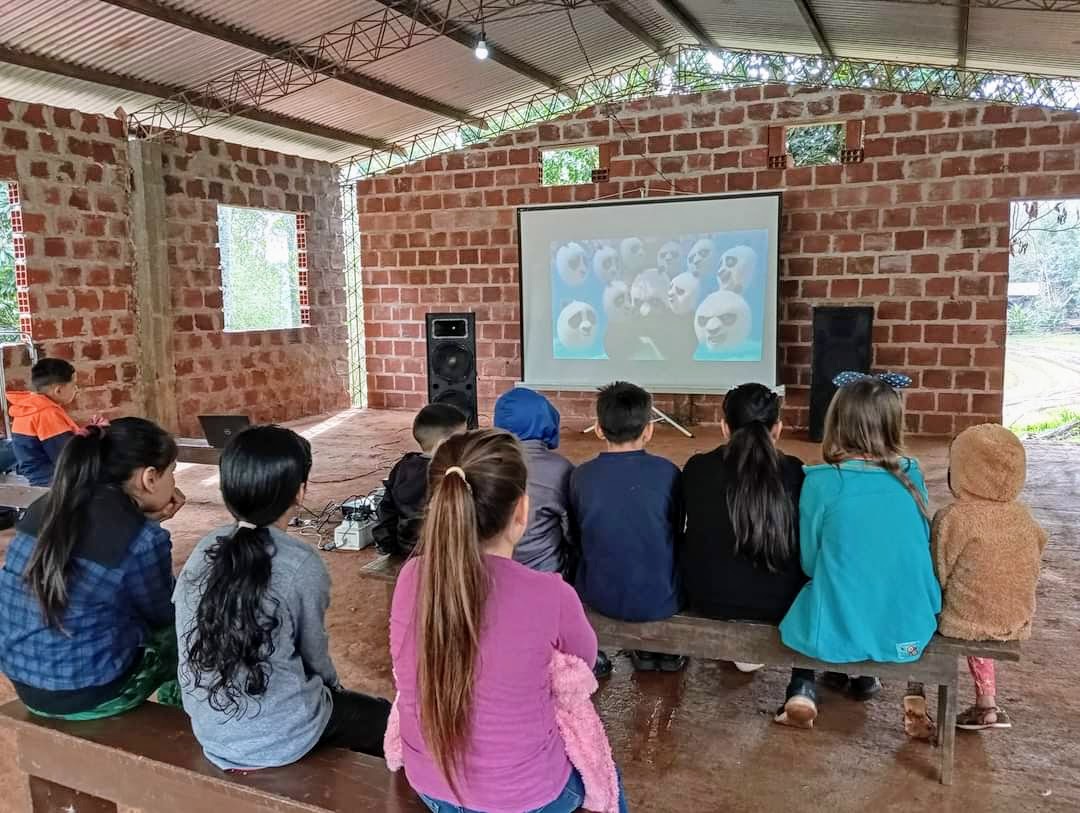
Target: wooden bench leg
[48,797]
[947,730]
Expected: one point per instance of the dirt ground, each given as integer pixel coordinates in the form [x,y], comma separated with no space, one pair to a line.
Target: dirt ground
[704,740]
[1042,375]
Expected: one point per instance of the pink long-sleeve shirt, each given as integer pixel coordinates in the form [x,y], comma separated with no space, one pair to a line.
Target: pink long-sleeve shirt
[514,758]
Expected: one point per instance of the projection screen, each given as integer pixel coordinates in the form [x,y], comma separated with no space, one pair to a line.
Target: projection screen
[675,294]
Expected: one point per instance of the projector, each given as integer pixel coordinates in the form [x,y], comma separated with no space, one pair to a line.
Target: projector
[354,534]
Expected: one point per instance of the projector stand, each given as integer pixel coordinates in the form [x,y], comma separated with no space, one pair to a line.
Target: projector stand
[661,418]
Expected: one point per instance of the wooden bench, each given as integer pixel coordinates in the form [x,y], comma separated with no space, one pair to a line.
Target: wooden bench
[197,450]
[750,642]
[149,761]
[19,495]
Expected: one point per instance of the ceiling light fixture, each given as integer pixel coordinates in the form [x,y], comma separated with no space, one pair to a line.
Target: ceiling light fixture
[481,44]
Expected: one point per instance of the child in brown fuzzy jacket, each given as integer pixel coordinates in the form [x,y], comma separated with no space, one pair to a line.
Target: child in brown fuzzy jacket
[986,549]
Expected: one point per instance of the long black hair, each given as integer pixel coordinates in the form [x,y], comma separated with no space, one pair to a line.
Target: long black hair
[230,644]
[99,457]
[759,506]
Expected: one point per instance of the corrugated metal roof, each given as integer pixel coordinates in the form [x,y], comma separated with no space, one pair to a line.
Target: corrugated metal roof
[95,34]
[1040,42]
[773,25]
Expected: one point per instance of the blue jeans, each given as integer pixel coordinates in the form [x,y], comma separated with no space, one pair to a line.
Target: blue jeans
[567,802]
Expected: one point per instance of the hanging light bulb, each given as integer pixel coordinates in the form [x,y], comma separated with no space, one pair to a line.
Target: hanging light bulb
[481,48]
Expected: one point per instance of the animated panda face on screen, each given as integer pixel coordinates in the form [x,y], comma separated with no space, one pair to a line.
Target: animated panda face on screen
[617,302]
[737,269]
[702,258]
[649,291]
[722,320]
[605,264]
[577,325]
[683,293]
[570,263]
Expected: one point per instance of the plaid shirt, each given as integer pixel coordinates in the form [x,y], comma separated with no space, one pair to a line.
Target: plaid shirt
[111,609]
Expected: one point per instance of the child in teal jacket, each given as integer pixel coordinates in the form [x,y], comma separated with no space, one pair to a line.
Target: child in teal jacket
[865,539]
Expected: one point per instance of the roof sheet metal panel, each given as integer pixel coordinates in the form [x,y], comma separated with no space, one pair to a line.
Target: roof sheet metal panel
[28,85]
[280,19]
[768,25]
[1035,41]
[337,105]
[87,32]
[878,29]
[655,22]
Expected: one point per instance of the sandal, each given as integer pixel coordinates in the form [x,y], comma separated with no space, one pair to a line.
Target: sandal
[977,718]
[918,724]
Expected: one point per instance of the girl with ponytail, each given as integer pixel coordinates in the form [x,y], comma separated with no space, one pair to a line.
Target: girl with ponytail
[251,602]
[472,635]
[86,615]
[864,532]
[741,557]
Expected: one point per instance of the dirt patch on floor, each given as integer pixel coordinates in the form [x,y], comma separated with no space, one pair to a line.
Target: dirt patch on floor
[703,740]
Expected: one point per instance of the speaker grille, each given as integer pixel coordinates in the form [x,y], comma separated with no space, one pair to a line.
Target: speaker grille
[459,399]
[452,362]
[842,342]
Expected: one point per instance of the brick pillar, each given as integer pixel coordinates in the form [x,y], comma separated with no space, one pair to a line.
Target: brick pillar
[153,292]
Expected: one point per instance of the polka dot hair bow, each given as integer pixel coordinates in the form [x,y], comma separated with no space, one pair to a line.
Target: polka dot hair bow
[898,381]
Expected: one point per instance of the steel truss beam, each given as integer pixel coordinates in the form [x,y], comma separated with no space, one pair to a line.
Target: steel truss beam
[376,35]
[131,85]
[690,69]
[312,56]
[814,24]
[614,9]
[677,11]
[425,15]
[964,29]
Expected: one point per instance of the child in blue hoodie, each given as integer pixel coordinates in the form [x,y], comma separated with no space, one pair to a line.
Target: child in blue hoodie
[40,427]
[548,544]
[865,540]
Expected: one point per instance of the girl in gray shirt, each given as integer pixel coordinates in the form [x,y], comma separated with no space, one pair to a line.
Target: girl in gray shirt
[255,668]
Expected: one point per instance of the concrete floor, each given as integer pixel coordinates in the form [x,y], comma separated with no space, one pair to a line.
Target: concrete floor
[703,740]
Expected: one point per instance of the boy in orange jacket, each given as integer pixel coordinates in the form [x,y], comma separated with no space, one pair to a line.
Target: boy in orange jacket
[40,427]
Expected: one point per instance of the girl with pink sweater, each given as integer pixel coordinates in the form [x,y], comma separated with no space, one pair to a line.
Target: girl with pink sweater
[473,636]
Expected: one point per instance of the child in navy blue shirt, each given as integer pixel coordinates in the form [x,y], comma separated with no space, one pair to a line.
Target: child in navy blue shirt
[628,504]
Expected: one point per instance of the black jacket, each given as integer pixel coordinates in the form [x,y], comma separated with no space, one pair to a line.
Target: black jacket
[401,511]
[717,582]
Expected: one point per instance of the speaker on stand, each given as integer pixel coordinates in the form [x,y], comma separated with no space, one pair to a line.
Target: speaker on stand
[841,342]
[451,361]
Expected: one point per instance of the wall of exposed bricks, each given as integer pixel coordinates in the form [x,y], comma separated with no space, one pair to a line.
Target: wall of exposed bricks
[919,230]
[73,174]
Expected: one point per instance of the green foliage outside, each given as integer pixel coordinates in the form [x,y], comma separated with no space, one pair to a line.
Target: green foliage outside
[1051,420]
[1045,245]
[570,166]
[815,144]
[259,269]
[9,305]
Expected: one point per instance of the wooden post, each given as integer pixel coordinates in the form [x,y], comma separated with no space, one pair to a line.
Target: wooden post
[947,729]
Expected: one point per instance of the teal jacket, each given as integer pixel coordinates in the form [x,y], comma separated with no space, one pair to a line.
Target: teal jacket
[865,546]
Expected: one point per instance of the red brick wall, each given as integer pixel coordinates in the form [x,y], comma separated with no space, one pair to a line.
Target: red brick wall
[73,174]
[919,230]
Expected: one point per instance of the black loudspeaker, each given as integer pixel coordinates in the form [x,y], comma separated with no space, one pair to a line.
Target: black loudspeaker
[451,361]
[842,339]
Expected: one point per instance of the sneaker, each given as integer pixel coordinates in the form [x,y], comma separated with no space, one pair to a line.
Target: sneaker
[643,661]
[748,667]
[671,663]
[800,708]
[864,688]
[603,667]
[837,681]
[978,718]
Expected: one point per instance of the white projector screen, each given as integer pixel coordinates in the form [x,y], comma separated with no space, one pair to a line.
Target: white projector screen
[675,294]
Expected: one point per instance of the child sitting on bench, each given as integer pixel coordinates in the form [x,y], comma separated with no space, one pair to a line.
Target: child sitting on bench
[548,544]
[86,614]
[864,538]
[258,682]
[401,509]
[986,549]
[741,558]
[628,505]
[472,637]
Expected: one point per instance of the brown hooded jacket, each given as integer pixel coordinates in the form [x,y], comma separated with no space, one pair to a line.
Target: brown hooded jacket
[986,545]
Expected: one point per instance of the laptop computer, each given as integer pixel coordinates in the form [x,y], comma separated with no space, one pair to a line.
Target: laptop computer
[219,429]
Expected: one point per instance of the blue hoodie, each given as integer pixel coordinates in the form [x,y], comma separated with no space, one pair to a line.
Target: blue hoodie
[548,541]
